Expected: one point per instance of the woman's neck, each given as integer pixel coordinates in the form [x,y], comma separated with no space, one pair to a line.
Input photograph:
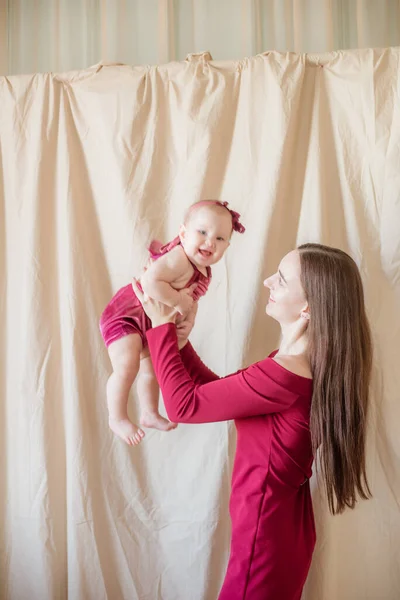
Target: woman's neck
[294,340]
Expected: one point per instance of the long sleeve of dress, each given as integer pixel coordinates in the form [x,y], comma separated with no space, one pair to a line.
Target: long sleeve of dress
[253,391]
[198,371]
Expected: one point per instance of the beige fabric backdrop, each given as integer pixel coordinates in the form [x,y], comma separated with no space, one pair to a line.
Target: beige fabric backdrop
[58,35]
[95,163]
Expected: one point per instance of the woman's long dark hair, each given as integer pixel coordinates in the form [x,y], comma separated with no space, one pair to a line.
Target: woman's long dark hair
[340,351]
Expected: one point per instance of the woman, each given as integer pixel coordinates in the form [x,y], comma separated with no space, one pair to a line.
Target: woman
[311,393]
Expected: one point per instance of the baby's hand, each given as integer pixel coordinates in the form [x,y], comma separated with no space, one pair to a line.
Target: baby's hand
[185,301]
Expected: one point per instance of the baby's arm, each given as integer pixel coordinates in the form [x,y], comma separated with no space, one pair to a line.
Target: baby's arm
[157,281]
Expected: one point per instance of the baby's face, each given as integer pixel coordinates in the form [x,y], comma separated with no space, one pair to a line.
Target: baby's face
[206,235]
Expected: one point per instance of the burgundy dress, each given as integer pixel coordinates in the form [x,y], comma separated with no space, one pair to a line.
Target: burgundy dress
[124,313]
[273,532]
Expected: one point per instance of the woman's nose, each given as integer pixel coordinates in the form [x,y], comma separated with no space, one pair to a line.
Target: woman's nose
[267,282]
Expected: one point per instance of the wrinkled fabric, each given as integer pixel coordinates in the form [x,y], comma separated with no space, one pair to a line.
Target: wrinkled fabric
[95,164]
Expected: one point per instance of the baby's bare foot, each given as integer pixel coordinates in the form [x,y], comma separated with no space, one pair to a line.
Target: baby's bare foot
[156,421]
[127,431]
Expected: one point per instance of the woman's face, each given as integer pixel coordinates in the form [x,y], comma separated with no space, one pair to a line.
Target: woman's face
[287,299]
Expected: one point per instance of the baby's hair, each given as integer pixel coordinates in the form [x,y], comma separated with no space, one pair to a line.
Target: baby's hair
[219,207]
[211,204]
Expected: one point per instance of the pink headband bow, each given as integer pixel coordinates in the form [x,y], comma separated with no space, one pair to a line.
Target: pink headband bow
[236,224]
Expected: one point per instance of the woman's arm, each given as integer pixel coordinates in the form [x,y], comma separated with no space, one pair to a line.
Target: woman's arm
[193,364]
[197,370]
[248,393]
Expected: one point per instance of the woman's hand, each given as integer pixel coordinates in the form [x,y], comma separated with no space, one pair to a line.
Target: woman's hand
[184,326]
[185,304]
[158,313]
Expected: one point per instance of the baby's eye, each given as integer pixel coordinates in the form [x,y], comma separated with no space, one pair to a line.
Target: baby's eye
[202,232]
[280,281]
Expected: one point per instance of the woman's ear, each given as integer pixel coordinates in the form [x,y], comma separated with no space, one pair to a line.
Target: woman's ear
[305,313]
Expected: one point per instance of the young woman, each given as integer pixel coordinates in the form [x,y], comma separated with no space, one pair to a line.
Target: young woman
[311,393]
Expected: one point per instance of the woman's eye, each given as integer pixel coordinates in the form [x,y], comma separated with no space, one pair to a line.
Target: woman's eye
[202,232]
[220,239]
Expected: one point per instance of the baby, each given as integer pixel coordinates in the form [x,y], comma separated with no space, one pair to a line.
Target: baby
[177,274]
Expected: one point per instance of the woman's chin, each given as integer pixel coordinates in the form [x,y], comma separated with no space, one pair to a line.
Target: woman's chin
[269,310]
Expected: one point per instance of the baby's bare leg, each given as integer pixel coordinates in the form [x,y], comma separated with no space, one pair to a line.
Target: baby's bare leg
[148,392]
[125,359]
